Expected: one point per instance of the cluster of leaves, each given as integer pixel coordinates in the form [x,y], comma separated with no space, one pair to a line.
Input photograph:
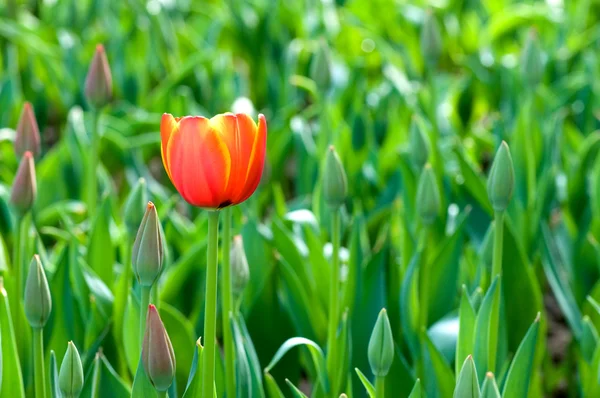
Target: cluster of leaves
[359,75]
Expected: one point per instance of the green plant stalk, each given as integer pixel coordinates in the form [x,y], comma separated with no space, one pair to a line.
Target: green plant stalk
[18,256]
[144,311]
[424,277]
[498,242]
[380,387]
[210,309]
[92,171]
[496,271]
[334,296]
[38,360]
[161,394]
[227,299]
[96,376]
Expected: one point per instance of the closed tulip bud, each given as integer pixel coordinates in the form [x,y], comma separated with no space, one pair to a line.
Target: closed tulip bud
[28,133]
[428,196]
[381,346]
[37,302]
[135,204]
[335,183]
[70,377]
[158,356]
[147,256]
[98,83]
[419,145]
[24,188]
[501,181]
[320,66]
[431,39]
[532,67]
[240,272]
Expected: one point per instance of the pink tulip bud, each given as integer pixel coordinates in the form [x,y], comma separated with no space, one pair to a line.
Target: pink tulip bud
[24,188]
[28,133]
[158,356]
[98,83]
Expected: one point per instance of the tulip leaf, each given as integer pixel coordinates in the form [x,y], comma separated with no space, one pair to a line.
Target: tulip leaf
[141,384]
[409,297]
[466,328]
[439,380]
[490,388]
[101,381]
[521,371]
[101,253]
[315,352]
[296,393]
[193,387]
[11,367]
[366,383]
[131,333]
[181,334]
[53,371]
[248,376]
[467,385]
[589,339]
[485,333]
[3,256]
[273,390]
[416,391]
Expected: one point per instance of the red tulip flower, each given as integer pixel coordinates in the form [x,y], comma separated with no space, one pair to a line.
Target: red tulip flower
[217,162]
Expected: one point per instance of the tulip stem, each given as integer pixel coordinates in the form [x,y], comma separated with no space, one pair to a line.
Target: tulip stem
[38,361]
[18,256]
[210,309]
[334,294]
[92,171]
[424,278]
[144,311]
[227,299]
[498,242]
[380,387]
[161,394]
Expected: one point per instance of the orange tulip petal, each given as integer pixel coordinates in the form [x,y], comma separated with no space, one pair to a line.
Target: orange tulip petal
[256,161]
[168,126]
[226,127]
[199,163]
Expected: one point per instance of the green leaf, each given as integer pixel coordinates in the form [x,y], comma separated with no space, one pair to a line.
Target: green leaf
[3,256]
[295,390]
[554,269]
[53,371]
[102,381]
[365,382]
[181,334]
[193,387]
[101,253]
[521,370]
[141,384]
[409,298]
[490,388]
[589,339]
[439,380]
[11,367]
[273,390]
[315,352]
[248,376]
[416,391]
[485,342]
[466,329]
[467,385]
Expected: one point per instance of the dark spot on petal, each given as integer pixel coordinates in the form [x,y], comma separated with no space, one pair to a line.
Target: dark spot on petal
[225,204]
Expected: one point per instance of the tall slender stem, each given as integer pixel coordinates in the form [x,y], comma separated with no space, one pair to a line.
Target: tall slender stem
[18,255]
[380,387]
[38,361]
[498,241]
[424,278]
[210,309]
[227,300]
[92,171]
[334,295]
[144,311]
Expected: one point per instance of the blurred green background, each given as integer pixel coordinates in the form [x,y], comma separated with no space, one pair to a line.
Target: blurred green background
[355,74]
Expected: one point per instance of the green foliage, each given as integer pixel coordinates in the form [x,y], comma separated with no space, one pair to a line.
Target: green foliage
[392,87]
